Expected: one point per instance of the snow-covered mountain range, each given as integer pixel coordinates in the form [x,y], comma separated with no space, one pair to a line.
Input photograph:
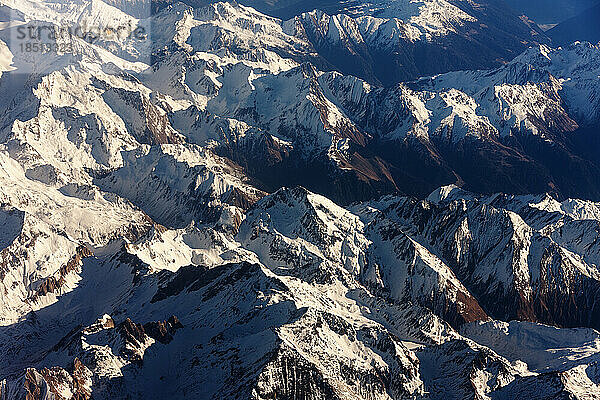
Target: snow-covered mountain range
[265,209]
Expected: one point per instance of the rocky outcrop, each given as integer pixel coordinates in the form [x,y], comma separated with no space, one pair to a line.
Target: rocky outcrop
[54,283]
[55,382]
[163,331]
[514,270]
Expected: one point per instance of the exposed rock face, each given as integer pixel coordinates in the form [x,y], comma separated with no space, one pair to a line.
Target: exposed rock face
[289,374]
[55,383]
[327,302]
[146,122]
[269,108]
[55,283]
[169,179]
[392,41]
[503,250]
[162,331]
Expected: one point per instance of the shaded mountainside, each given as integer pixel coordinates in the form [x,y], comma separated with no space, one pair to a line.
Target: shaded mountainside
[551,12]
[311,300]
[386,42]
[269,107]
[583,26]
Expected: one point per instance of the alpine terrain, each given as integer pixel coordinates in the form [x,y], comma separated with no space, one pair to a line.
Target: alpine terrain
[366,200]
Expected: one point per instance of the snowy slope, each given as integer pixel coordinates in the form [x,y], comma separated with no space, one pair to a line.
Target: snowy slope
[285,301]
